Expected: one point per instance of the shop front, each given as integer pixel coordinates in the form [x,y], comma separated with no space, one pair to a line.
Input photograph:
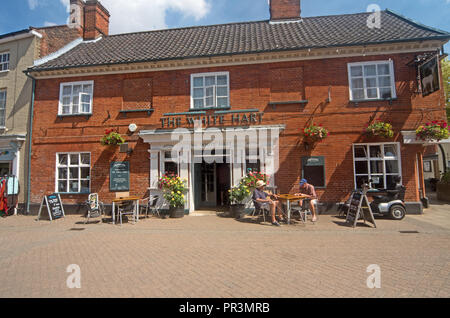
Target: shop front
[211,160]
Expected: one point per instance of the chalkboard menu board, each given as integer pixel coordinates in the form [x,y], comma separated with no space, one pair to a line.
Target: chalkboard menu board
[119,176]
[353,210]
[360,208]
[54,207]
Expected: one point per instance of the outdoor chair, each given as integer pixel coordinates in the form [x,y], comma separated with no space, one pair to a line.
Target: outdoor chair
[261,208]
[127,208]
[303,210]
[94,207]
[151,206]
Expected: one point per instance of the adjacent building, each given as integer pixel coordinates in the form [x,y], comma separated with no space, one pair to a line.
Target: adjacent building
[19,51]
[266,80]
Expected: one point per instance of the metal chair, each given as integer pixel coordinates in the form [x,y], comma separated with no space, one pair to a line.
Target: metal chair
[303,210]
[94,206]
[151,205]
[261,208]
[127,208]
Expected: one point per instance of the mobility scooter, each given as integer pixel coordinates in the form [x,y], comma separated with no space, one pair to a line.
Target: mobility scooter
[392,204]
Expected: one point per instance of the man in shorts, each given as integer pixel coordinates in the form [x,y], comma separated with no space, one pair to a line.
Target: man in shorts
[309,190]
[260,197]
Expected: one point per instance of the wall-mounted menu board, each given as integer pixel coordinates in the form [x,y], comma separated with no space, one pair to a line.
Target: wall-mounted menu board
[119,176]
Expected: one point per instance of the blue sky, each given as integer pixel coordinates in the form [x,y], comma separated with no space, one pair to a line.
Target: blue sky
[140,15]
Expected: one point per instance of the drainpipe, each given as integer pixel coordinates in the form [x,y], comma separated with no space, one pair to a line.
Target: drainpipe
[30,135]
[443,158]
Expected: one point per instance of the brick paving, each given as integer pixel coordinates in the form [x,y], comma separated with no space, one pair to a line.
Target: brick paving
[211,256]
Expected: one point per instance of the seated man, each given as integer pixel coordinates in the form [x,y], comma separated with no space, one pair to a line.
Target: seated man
[259,196]
[308,190]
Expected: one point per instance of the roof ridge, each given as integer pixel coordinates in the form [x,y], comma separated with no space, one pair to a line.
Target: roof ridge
[187,27]
[49,27]
[229,23]
[416,23]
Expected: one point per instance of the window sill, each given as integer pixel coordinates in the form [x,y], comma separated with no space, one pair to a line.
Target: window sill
[73,193]
[4,71]
[148,111]
[209,108]
[222,112]
[290,102]
[356,101]
[75,115]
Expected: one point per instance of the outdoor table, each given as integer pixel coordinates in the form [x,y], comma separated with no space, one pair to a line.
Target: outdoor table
[288,198]
[120,200]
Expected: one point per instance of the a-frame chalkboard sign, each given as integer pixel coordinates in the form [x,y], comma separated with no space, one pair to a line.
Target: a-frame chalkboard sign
[54,206]
[360,208]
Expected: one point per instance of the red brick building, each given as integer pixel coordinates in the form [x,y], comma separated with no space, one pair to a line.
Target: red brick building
[279,75]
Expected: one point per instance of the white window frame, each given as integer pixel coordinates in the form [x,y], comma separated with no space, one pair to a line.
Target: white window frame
[3,125]
[364,77]
[80,112]
[384,159]
[68,166]
[3,63]
[215,97]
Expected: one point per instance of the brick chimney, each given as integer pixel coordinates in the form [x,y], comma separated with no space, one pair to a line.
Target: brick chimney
[96,20]
[284,10]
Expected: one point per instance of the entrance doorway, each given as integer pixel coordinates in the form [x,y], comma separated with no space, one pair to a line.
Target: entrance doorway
[211,184]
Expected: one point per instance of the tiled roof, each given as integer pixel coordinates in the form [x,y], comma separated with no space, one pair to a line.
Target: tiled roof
[243,38]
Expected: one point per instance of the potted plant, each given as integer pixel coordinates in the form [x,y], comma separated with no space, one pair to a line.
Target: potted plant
[112,138]
[315,133]
[381,129]
[435,131]
[236,196]
[443,187]
[174,190]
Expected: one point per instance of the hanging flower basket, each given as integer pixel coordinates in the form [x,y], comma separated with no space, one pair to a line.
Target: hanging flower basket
[435,131]
[380,129]
[112,138]
[315,133]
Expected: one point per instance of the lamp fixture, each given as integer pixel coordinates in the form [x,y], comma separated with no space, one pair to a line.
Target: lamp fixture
[132,128]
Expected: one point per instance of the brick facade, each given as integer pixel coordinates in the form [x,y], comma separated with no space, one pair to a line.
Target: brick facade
[251,86]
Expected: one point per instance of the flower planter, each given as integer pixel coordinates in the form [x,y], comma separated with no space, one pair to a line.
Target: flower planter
[237,210]
[176,213]
[443,191]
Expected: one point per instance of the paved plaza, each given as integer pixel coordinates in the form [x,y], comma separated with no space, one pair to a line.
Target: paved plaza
[213,256]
